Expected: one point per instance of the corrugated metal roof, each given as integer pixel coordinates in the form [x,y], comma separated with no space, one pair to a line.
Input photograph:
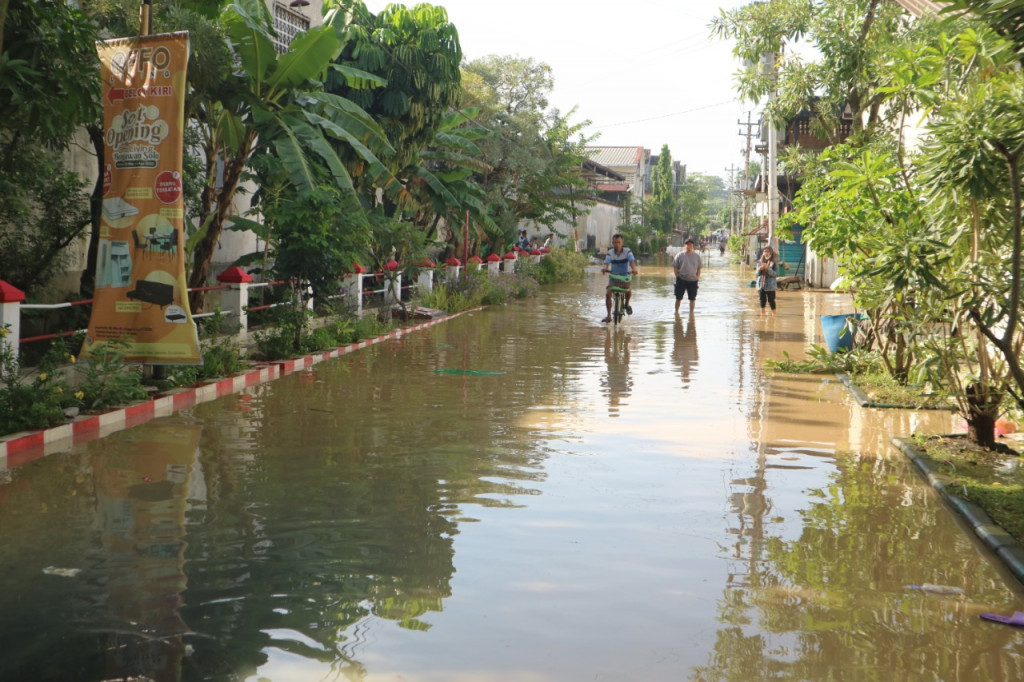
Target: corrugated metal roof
[919,7]
[616,156]
[616,187]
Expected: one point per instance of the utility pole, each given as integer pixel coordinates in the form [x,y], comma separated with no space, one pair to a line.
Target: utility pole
[773,142]
[732,198]
[746,169]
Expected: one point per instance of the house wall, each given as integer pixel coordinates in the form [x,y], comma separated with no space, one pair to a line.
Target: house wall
[820,271]
[597,226]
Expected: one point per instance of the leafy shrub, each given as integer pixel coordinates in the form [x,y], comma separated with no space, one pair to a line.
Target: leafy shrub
[30,404]
[478,288]
[822,361]
[561,265]
[283,338]
[367,328]
[106,379]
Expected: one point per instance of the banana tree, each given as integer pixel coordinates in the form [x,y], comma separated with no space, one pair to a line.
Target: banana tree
[276,102]
[441,183]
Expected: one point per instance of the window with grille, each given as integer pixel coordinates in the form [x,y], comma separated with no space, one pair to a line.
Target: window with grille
[288,23]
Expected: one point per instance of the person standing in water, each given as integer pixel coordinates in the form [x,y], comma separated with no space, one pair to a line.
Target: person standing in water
[767,278]
[687,266]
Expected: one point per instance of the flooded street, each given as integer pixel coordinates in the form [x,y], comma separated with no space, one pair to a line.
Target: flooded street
[520,494]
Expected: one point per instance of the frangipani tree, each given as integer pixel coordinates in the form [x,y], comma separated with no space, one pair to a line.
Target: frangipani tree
[972,170]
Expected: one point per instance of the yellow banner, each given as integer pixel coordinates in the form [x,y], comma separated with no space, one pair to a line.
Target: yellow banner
[141,294]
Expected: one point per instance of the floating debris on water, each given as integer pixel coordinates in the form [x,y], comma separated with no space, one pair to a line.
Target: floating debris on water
[62,572]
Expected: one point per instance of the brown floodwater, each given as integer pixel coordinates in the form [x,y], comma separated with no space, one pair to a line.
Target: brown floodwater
[520,494]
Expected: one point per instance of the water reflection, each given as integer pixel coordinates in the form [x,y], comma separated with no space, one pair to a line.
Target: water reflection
[684,351]
[372,519]
[809,593]
[617,382]
[141,499]
[821,569]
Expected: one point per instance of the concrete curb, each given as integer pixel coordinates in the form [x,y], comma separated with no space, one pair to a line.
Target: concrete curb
[864,401]
[1005,547]
[19,448]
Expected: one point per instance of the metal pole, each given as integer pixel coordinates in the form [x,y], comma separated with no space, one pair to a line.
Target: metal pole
[145,15]
[773,141]
[157,372]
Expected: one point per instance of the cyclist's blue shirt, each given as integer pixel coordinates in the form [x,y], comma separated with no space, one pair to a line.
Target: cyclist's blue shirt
[619,262]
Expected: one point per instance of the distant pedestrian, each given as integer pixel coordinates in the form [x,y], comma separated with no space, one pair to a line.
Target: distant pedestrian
[687,266]
[767,278]
[524,241]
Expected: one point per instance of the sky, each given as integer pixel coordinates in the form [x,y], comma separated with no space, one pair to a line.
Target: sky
[645,72]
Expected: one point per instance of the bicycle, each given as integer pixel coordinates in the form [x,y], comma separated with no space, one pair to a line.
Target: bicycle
[619,297]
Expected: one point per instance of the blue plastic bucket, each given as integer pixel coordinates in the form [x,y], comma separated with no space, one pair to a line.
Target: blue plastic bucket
[838,335]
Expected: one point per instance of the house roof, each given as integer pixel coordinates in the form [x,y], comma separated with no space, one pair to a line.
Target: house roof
[617,187]
[593,169]
[919,7]
[616,156]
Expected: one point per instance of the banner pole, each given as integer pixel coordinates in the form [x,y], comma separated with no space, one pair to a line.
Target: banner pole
[145,12]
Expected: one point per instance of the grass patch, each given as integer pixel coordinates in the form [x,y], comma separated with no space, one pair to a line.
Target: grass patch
[992,480]
[881,389]
[868,373]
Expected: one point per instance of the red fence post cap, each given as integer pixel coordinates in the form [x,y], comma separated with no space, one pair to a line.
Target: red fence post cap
[475,259]
[392,264]
[453,261]
[10,293]
[427,263]
[358,269]
[234,275]
[493,258]
[511,255]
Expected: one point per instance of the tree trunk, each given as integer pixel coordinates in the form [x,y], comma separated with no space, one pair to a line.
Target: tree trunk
[981,420]
[219,203]
[87,282]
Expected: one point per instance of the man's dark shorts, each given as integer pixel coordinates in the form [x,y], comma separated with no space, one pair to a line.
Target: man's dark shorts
[687,288]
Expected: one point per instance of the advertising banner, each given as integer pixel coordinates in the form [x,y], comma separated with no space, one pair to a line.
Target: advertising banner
[141,295]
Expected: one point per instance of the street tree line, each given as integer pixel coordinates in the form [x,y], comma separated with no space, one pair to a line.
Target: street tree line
[922,203]
[368,139]
[696,206]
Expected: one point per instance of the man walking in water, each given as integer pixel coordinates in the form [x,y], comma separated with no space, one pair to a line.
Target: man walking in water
[687,267]
[619,261]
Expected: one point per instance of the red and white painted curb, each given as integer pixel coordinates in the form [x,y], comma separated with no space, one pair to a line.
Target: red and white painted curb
[19,448]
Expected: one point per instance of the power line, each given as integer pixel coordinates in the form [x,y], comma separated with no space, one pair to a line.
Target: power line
[675,113]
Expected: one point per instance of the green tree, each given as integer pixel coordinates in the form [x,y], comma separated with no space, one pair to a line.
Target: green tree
[853,41]
[931,240]
[48,88]
[534,160]
[43,210]
[663,210]
[694,198]
[972,170]
[48,72]
[274,102]
[416,54]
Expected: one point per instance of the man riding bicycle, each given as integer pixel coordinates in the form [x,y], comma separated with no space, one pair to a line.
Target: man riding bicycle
[621,262]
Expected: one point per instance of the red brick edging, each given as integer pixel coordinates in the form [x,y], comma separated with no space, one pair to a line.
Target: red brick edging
[17,449]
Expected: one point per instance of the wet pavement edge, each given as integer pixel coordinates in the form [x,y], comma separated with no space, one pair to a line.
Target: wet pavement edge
[1009,552]
[19,448]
